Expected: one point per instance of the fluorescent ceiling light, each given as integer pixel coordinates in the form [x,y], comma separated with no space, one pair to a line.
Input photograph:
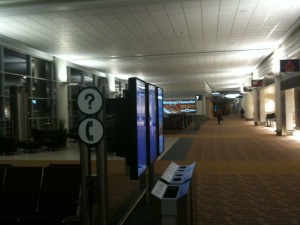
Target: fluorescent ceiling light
[274,28]
[232,95]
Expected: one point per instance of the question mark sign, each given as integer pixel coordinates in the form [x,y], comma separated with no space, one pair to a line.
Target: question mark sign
[91,97]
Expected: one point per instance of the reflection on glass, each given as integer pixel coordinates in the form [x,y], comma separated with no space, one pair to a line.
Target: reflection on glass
[14,62]
[89,80]
[40,107]
[41,69]
[152,122]
[160,120]
[75,76]
[41,88]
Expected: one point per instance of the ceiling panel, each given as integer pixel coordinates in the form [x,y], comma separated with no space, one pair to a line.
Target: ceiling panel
[178,45]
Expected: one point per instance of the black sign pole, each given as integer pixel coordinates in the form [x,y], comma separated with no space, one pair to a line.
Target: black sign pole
[84,182]
[91,132]
[101,155]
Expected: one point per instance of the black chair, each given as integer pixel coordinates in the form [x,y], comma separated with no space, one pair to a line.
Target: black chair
[59,196]
[51,139]
[73,134]
[8,145]
[2,172]
[20,193]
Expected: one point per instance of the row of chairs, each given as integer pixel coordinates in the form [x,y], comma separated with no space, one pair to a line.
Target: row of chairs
[39,195]
[177,121]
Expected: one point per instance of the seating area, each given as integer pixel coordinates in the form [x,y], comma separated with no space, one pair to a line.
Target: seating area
[42,138]
[177,121]
[51,139]
[39,195]
[8,145]
[270,118]
[73,134]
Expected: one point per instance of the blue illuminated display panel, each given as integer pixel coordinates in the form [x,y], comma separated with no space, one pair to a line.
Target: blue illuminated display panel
[152,123]
[137,157]
[160,121]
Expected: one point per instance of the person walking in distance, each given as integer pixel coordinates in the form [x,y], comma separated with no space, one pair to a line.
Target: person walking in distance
[219,116]
[242,113]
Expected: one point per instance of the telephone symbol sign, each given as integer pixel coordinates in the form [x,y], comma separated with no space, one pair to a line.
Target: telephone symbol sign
[90,131]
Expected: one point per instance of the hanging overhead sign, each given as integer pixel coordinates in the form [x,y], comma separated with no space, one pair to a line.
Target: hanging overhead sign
[289,73]
[256,83]
[289,65]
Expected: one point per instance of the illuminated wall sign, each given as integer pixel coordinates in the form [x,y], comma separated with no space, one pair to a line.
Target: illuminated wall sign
[199,97]
[179,106]
[257,83]
[289,65]
[289,73]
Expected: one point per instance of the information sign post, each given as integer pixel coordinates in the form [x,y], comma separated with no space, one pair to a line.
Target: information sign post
[91,133]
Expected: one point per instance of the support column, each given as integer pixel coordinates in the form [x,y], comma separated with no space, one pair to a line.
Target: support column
[249,106]
[204,104]
[19,112]
[297,107]
[289,111]
[255,108]
[278,106]
[111,86]
[62,91]
[262,115]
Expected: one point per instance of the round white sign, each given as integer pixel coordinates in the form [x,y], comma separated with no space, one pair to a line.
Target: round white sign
[90,131]
[89,100]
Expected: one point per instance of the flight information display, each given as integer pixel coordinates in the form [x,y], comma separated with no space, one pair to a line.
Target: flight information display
[160,119]
[137,143]
[152,122]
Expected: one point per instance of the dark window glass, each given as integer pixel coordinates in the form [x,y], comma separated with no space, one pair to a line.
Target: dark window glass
[15,62]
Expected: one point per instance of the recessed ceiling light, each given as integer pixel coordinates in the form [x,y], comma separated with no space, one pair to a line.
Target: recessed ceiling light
[245,11]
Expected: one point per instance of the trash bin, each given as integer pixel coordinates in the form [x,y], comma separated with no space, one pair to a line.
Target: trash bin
[176,174]
[171,204]
[172,199]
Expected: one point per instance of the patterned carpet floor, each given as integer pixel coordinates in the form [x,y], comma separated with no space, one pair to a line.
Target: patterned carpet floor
[245,174]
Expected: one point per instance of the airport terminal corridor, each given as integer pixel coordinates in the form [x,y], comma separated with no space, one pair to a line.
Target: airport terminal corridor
[244,174]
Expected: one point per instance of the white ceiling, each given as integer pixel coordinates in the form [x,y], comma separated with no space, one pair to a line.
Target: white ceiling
[177,45]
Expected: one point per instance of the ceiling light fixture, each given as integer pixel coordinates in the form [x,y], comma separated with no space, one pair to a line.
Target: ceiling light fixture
[245,11]
[268,15]
[274,28]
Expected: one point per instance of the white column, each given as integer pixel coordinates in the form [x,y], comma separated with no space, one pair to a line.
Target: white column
[62,111]
[200,106]
[249,106]
[278,107]
[111,85]
[289,111]
[255,108]
[204,104]
[262,113]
